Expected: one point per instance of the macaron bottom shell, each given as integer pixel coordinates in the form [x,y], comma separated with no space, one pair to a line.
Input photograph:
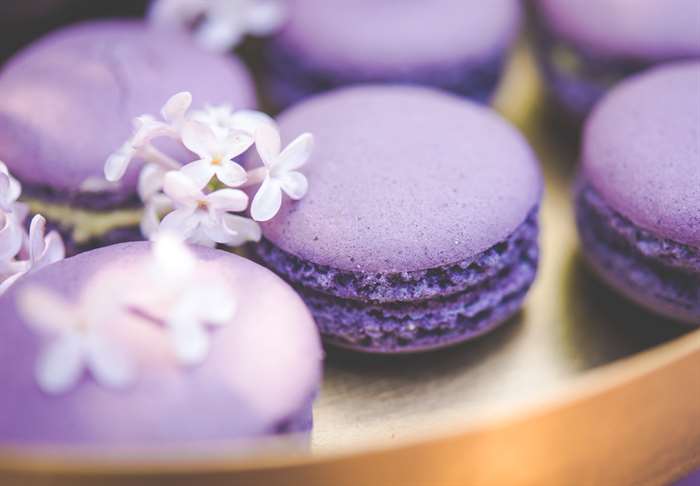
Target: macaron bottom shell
[289,80]
[416,325]
[657,274]
[577,80]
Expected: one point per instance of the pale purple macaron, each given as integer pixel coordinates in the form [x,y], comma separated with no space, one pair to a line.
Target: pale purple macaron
[259,378]
[420,226]
[638,200]
[588,45]
[68,101]
[457,45]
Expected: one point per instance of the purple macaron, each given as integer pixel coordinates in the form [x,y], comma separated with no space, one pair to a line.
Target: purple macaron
[457,45]
[638,199]
[419,229]
[588,45]
[68,102]
[259,378]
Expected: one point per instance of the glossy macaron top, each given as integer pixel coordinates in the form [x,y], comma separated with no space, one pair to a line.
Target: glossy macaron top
[68,100]
[385,36]
[262,367]
[404,178]
[641,151]
[652,30]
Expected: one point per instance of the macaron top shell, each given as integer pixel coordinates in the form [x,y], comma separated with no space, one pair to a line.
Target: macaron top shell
[385,36]
[402,179]
[641,151]
[69,99]
[262,367]
[651,30]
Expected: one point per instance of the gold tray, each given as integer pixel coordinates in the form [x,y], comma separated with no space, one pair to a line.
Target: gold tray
[568,393]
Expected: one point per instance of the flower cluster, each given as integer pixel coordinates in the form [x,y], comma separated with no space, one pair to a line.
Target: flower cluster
[202,200]
[174,297]
[220,25]
[22,252]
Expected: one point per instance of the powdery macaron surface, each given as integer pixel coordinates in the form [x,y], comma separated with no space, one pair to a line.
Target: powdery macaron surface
[650,30]
[402,179]
[69,99]
[381,36]
[641,151]
[260,376]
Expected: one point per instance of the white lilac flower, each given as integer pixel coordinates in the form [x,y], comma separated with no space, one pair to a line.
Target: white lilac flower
[154,209]
[216,155]
[223,119]
[41,250]
[12,216]
[192,301]
[10,189]
[279,173]
[12,235]
[20,252]
[220,25]
[74,339]
[146,129]
[204,218]
[151,180]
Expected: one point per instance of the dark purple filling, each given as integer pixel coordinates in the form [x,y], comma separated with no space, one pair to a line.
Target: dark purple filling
[427,324]
[404,286]
[112,237]
[651,267]
[384,314]
[91,201]
[291,79]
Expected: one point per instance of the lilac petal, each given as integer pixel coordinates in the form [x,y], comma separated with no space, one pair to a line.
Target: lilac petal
[267,201]
[268,143]
[228,200]
[190,339]
[37,230]
[54,251]
[199,172]
[118,162]
[218,35]
[265,17]
[237,142]
[176,107]
[10,191]
[215,231]
[45,311]
[151,181]
[150,221]
[11,236]
[60,364]
[249,120]
[110,365]
[294,184]
[181,189]
[200,139]
[231,174]
[241,229]
[296,154]
[181,222]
